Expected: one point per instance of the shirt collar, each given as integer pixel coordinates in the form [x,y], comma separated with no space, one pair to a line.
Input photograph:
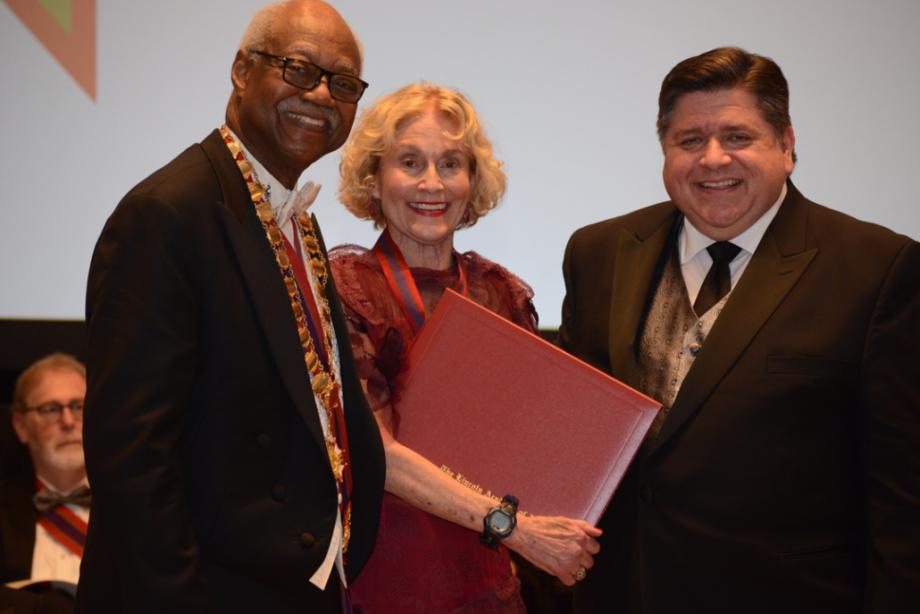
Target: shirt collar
[43,483]
[692,241]
[278,196]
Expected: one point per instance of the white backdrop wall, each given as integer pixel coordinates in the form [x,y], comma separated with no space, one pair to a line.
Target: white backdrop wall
[567,91]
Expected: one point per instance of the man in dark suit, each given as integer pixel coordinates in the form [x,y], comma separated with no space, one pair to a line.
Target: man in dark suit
[235,465]
[783,473]
[43,511]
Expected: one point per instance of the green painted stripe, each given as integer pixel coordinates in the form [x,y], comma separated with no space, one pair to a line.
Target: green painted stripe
[61,11]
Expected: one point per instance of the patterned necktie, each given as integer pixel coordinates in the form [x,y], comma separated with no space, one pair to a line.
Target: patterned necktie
[718,281]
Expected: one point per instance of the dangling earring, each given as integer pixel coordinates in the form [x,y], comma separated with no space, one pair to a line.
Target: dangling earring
[375,208]
[467,216]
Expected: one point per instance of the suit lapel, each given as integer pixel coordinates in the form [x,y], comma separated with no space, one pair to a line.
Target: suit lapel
[775,267]
[636,257]
[263,280]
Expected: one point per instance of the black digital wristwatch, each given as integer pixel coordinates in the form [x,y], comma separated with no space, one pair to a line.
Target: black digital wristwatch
[499,522]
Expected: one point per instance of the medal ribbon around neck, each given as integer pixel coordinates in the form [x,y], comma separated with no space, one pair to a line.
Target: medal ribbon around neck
[323,378]
[63,525]
[400,280]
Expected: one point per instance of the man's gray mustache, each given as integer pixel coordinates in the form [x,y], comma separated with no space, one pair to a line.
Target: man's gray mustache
[308,108]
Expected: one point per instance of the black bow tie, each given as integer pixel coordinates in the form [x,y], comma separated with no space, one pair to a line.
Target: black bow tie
[46,500]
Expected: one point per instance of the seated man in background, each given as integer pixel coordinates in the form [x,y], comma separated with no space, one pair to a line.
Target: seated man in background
[44,516]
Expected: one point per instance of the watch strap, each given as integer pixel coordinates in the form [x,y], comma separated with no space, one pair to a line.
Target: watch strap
[508,506]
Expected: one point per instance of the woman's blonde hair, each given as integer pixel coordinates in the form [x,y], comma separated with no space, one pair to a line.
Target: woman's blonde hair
[375,135]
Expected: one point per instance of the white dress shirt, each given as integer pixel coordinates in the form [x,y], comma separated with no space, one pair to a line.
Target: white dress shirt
[51,560]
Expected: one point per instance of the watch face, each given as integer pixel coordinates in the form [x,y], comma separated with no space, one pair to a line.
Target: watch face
[500,522]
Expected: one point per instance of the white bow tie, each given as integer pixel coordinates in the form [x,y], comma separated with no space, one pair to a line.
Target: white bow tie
[298,201]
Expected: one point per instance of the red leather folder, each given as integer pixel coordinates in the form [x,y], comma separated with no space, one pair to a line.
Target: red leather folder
[505,412]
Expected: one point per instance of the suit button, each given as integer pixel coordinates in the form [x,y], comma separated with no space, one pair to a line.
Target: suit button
[264,440]
[307,540]
[694,348]
[645,494]
[279,492]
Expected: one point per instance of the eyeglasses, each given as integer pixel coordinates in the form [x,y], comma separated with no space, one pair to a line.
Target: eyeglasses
[307,76]
[52,410]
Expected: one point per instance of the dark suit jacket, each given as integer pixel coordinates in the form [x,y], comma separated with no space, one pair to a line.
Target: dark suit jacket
[211,485]
[17,527]
[787,476]
[17,544]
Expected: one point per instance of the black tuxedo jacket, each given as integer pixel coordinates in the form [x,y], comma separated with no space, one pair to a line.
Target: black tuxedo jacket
[786,477]
[17,545]
[17,528]
[212,489]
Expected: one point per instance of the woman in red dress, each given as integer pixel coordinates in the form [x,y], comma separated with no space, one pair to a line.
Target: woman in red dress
[419,166]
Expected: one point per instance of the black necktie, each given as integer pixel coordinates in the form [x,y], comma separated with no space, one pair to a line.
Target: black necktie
[719,280]
[46,499]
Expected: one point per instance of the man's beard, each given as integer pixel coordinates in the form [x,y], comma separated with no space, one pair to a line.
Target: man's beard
[64,458]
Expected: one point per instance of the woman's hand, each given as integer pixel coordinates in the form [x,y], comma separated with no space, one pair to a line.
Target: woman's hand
[558,545]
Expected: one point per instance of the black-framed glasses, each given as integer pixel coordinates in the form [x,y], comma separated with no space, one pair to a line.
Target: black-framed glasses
[52,410]
[307,76]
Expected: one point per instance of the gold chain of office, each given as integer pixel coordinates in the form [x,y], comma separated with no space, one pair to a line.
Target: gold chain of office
[324,383]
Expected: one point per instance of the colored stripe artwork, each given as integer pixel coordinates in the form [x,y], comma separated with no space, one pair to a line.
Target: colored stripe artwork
[67,29]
